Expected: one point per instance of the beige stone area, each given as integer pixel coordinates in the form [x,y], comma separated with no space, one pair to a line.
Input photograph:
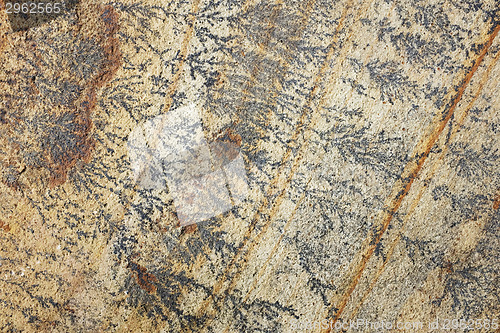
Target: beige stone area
[363,193]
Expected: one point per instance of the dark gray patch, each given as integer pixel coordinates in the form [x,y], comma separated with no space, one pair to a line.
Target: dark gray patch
[3,116]
[33,159]
[24,21]
[391,80]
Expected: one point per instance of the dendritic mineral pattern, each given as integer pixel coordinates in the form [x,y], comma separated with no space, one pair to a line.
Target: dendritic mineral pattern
[250,166]
[205,180]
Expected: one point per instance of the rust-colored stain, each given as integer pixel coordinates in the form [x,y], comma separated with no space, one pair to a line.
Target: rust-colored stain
[496,203]
[189,229]
[62,121]
[144,279]
[226,147]
[84,145]
[82,115]
[4,226]
[111,45]
[409,175]
[231,136]
[459,124]
[51,134]
[274,188]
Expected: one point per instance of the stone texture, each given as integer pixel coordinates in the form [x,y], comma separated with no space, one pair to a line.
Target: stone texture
[369,131]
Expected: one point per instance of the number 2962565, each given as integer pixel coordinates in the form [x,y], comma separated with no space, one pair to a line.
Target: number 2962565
[33,7]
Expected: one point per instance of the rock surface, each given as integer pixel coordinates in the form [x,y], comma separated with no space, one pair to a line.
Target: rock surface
[369,132]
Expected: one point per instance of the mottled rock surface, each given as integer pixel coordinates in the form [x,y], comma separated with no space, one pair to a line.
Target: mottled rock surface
[370,136]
